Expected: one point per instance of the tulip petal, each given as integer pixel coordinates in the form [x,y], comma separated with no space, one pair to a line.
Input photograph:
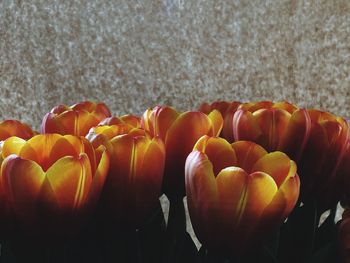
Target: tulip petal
[245,126]
[22,181]
[247,153]
[276,164]
[297,133]
[12,145]
[131,120]
[227,130]
[162,118]
[69,180]
[39,149]
[180,139]
[99,178]
[217,122]
[281,205]
[283,105]
[218,150]
[202,197]
[10,128]
[273,124]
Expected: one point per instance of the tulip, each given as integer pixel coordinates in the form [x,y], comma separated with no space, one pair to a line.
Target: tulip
[76,119]
[272,125]
[238,194]
[10,128]
[323,162]
[51,181]
[227,110]
[179,132]
[314,139]
[133,185]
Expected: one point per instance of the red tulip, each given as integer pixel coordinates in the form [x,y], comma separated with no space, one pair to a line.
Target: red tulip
[76,119]
[10,128]
[238,194]
[51,181]
[179,131]
[133,185]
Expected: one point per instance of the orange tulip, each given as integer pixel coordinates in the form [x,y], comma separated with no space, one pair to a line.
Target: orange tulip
[323,161]
[133,185]
[227,110]
[272,125]
[10,128]
[51,181]
[76,119]
[179,132]
[238,194]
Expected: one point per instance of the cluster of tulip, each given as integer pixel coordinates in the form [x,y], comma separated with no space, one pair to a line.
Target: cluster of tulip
[259,178]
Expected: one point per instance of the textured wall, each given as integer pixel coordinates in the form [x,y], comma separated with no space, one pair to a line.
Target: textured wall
[135,54]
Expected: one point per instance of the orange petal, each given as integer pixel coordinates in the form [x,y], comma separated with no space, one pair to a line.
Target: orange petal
[99,178]
[218,150]
[217,122]
[202,197]
[276,164]
[247,153]
[297,133]
[254,106]
[148,180]
[10,128]
[69,181]
[273,124]
[161,119]
[187,129]
[132,120]
[245,126]
[50,125]
[39,149]
[12,145]
[22,181]
[232,188]
[284,105]
[280,207]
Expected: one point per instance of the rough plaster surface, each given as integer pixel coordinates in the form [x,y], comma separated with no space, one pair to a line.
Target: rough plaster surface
[135,54]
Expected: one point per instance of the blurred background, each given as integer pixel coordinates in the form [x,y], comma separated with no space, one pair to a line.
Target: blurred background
[136,54]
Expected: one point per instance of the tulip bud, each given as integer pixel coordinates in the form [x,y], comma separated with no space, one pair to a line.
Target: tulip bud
[76,119]
[51,181]
[179,132]
[238,194]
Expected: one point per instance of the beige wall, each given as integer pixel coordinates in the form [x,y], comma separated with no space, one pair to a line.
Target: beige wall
[135,54]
